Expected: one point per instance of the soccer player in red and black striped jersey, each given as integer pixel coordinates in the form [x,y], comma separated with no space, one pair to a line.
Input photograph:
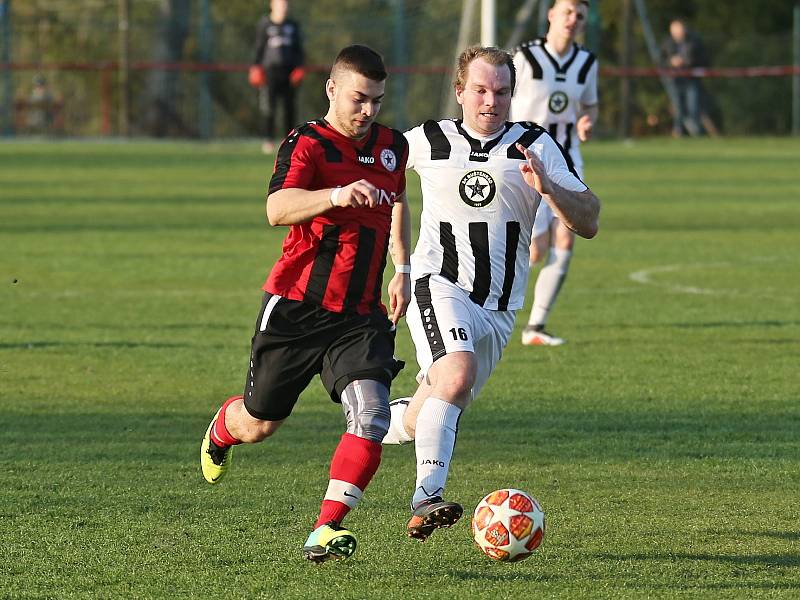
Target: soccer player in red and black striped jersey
[339,185]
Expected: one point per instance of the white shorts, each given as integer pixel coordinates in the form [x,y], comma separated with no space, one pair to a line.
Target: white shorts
[442,319]
[544,214]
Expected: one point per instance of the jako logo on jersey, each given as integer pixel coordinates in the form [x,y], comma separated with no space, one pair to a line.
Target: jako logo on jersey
[479,155]
[388,159]
[477,188]
[558,102]
[432,461]
[367,160]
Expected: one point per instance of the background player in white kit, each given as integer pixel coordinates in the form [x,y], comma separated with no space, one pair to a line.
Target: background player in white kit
[482,180]
[556,88]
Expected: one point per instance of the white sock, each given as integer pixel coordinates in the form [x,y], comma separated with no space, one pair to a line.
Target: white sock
[397,432]
[548,284]
[437,424]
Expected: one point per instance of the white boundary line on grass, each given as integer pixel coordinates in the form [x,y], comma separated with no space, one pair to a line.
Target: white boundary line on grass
[644,277]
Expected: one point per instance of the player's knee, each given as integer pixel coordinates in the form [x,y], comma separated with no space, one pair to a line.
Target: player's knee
[538,249]
[453,377]
[563,237]
[410,425]
[256,430]
[366,406]
[373,423]
[535,255]
[456,384]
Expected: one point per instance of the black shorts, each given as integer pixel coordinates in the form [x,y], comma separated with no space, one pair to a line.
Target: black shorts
[294,341]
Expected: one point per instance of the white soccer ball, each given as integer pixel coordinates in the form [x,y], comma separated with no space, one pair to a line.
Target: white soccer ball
[508,525]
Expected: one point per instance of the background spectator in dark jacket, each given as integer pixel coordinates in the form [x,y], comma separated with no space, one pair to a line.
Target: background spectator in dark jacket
[684,49]
[279,53]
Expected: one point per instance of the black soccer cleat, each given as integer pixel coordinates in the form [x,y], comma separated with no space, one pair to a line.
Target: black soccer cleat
[432,514]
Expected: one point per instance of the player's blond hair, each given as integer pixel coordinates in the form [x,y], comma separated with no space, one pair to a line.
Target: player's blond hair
[492,55]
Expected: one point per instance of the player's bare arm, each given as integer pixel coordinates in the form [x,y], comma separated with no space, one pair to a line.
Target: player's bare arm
[579,211]
[291,206]
[586,120]
[399,288]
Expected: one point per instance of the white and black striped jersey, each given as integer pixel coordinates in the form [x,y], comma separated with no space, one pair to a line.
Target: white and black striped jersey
[477,211]
[550,89]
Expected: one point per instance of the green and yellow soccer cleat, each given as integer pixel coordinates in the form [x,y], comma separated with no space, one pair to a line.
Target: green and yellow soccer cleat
[329,541]
[214,459]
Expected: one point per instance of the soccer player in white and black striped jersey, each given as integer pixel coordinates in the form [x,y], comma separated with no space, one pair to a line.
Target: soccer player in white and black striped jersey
[482,181]
[556,88]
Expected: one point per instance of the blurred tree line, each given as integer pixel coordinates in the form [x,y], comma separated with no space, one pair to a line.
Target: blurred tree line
[420,34]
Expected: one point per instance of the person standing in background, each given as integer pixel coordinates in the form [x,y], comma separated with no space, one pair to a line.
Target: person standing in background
[683,49]
[277,69]
[557,89]
[40,106]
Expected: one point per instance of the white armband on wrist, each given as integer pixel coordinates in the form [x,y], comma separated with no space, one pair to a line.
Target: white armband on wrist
[402,268]
[334,196]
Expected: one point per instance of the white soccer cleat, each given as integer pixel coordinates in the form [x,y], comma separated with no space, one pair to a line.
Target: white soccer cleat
[535,335]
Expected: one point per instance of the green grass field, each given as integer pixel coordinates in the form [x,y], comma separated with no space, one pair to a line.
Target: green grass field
[663,440]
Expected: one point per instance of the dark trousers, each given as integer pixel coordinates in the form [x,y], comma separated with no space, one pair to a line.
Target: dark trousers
[687,116]
[278,94]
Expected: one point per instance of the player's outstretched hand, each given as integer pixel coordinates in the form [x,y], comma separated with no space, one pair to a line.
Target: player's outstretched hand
[584,127]
[533,172]
[358,193]
[399,296]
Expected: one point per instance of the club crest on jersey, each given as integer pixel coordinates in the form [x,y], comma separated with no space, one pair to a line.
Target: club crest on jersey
[477,188]
[388,159]
[558,102]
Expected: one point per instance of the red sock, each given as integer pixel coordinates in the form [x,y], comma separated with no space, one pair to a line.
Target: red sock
[354,463]
[219,432]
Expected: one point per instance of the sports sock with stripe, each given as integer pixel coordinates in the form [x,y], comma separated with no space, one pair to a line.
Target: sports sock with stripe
[219,432]
[437,425]
[354,462]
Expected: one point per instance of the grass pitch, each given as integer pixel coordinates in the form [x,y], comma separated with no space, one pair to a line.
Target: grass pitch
[663,440]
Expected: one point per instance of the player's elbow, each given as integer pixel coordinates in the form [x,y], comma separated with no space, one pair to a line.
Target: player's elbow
[272,219]
[590,231]
[274,216]
[591,223]
[594,221]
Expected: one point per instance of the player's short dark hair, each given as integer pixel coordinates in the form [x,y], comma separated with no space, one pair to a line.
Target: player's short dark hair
[584,2]
[362,60]
[492,55]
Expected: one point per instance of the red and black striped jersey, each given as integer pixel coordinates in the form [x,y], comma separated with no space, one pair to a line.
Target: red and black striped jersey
[336,259]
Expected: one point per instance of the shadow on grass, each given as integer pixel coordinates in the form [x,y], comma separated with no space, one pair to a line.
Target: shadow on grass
[747,585]
[146,438]
[766,560]
[556,433]
[779,535]
[790,536]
